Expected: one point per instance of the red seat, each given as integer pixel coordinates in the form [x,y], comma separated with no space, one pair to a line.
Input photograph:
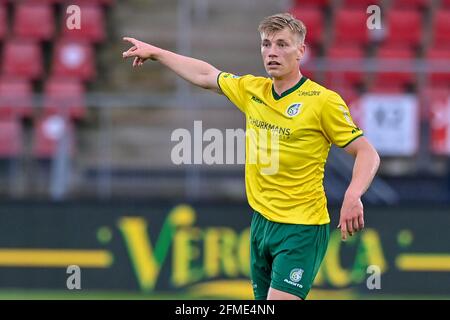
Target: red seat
[386,87]
[349,55]
[307,63]
[350,27]
[445,4]
[49,132]
[311,3]
[96,2]
[92,24]
[313,20]
[441,27]
[404,27]
[408,4]
[439,57]
[16,98]
[359,3]
[22,58]
[34,20]
[394,58]
[73,59]
[11,134]
[64,93]
[3,22]
[348,93]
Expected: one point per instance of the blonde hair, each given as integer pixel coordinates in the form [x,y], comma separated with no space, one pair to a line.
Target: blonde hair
[279,21]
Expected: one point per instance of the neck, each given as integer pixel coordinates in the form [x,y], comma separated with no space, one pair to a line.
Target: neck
[286,82]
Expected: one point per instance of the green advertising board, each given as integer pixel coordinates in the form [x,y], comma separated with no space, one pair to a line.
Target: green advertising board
[202,250]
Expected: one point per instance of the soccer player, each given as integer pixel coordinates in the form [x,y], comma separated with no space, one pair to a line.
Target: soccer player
[290,223]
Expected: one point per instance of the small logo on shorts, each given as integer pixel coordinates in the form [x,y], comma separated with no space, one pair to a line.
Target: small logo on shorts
[296,275]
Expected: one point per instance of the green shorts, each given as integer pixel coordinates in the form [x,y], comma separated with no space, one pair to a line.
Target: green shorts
[285,257]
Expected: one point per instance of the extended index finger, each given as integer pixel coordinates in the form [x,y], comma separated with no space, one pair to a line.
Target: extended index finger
[132,40]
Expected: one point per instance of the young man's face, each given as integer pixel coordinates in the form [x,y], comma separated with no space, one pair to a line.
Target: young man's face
[281,52]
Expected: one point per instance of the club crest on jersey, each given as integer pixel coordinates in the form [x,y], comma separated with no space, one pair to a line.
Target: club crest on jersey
[293,109]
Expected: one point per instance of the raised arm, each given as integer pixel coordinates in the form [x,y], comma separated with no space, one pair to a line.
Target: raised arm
[195,71]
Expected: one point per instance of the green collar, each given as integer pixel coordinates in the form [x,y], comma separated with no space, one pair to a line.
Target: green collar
[277,97]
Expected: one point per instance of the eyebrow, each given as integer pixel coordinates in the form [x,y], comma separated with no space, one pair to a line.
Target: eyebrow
[278,40]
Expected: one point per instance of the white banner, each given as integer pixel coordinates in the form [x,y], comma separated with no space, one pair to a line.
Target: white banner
[390,122]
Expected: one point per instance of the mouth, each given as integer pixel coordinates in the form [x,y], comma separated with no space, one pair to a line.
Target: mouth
[273,64]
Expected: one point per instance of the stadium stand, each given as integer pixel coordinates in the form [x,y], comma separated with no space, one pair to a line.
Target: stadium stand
[23,58]
[350,54]
[74,59]
[16,99]
[441,28]
[359,3]
[93,22]
[354,20]
[3,22]
[34,20]
[436,57]
[404,28]
[11,138]
[49,132]
[395,56]
[313,18]
[64,96]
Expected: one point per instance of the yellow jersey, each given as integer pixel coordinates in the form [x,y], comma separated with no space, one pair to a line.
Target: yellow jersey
[288,140]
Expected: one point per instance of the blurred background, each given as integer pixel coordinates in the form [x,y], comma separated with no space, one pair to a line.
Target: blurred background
[87,177]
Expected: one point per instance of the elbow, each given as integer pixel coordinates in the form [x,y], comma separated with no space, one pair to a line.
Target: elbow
[377,159]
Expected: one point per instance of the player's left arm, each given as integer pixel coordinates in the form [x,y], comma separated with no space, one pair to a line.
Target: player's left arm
[366,165]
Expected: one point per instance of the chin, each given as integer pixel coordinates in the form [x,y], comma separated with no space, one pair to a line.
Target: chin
[273,73]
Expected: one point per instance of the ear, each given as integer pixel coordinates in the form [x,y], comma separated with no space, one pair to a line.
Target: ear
[301,48]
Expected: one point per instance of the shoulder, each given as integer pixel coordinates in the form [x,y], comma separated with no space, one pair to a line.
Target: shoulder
[247,79]
[322,96]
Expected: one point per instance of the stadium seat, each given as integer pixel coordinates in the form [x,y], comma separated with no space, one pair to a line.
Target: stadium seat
[64,93]
[409,4]
[437,57]
[16,98]
[3,22]
[307,63]
[96,2]
[313,20]
[11,134]
[404,27]
[347,92]
[22,58]
[74,59]
[92,22]
[386,87]
[349,55]
[359,3]
[350,27]
[34,20]
[445,4]
[441,27]
[393,57]
[49,132]
[311,3]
